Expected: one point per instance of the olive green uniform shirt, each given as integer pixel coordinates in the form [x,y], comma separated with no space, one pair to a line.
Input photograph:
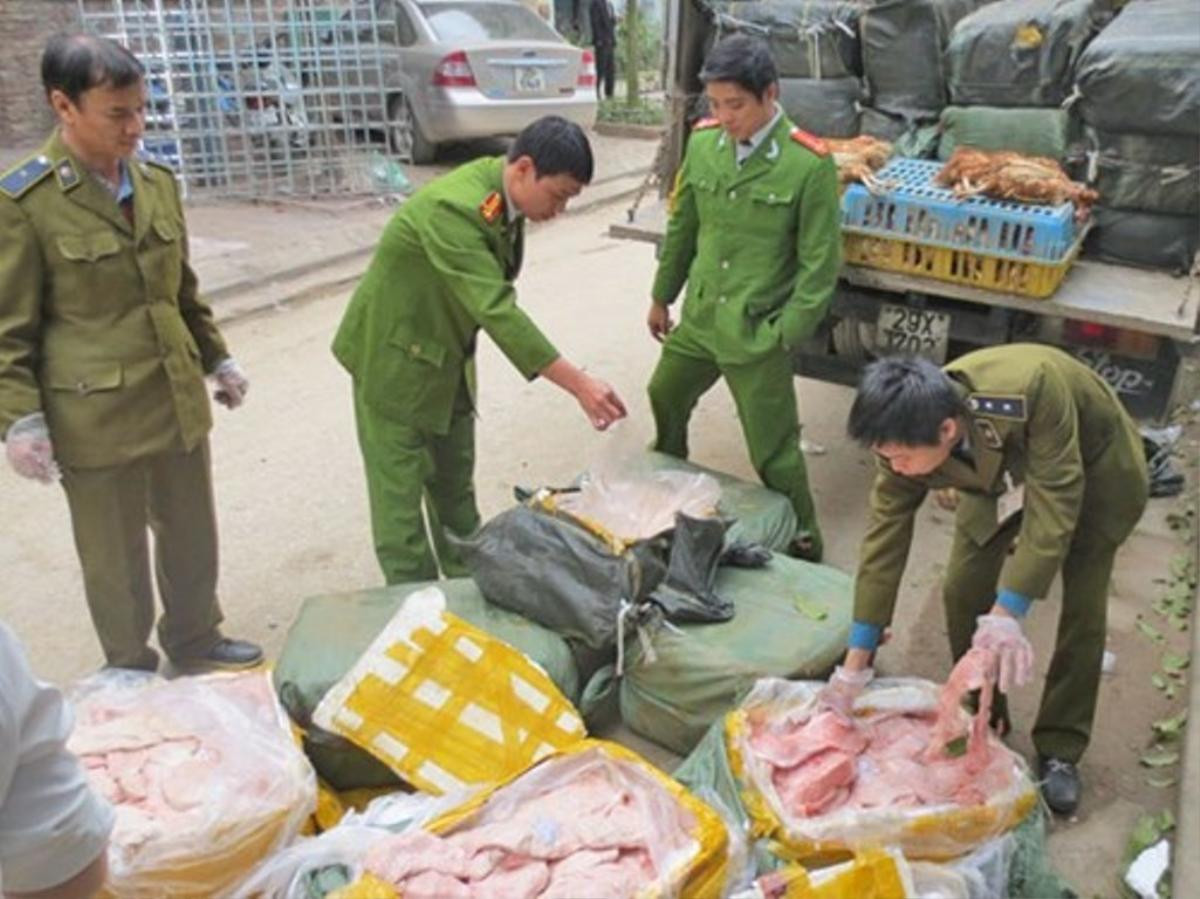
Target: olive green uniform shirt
[101,324]
[1039,420]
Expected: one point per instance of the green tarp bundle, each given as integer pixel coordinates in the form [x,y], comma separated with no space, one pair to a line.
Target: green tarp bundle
[1021,52]
[1148,239]
[828,108]
[791,619]
[1146,172]
[331,632]
[807,38]
[1142,73]
[902,46]
[1035,132]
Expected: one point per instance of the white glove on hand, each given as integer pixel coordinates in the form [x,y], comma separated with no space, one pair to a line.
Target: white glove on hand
[232,384]
[1003,636]
[843,688]
[29,450]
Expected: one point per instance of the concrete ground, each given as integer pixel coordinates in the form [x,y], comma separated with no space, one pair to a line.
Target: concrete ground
[294,520]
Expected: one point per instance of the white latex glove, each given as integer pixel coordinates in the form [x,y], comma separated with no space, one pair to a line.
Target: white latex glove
[232,384]
[843,688]
[29,449]
[1003,636]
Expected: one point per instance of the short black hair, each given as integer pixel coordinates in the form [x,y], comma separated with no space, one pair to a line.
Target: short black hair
[75,63]
[744,60]
[903,399]
[557,147]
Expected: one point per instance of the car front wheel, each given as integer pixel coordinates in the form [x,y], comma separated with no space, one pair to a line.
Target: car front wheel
[404,132]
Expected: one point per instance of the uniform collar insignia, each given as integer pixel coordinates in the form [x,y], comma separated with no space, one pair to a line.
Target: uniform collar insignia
[492,207]
[65,172]
[995,405]
[773,150]
[987,430]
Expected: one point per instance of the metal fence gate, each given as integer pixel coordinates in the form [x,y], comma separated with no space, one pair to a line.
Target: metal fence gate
[261,97]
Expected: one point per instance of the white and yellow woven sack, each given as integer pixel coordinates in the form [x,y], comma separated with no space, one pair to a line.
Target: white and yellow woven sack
[446,705]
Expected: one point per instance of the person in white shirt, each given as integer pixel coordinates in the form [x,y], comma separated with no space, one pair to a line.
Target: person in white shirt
[53,829]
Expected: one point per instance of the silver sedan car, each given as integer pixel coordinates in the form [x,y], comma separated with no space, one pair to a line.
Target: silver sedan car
[459,69]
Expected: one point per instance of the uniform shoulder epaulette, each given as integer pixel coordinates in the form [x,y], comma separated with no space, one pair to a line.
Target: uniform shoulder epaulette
[492,207]
[158,164]
[17,181]
[996,405]
[706,123]
[811,141]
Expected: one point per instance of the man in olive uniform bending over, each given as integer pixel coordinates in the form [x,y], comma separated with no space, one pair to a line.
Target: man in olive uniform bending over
[104,346]
[444,270]
[755,233]
[1039,448]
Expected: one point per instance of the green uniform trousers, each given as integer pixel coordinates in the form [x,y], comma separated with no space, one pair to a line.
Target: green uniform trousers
[111,509]
[765,394]
[413,473]
[1064,721]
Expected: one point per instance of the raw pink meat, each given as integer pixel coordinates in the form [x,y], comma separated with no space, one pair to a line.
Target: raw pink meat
[816,783]
[794,742]
[887,758]
[589,837]
[435,885]
[525,881]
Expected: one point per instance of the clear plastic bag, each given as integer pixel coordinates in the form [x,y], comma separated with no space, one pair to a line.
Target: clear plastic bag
[204,776]
[639,506]
[937,831]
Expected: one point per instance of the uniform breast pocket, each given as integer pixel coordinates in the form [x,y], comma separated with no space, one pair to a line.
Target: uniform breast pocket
[163,249]
[772,210]
[88,264]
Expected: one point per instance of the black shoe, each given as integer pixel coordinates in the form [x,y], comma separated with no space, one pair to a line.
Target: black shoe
[806,546]
[227,654]
[1060,784]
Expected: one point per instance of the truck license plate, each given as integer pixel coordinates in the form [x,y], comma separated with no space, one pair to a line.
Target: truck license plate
[920,332]
[530,79]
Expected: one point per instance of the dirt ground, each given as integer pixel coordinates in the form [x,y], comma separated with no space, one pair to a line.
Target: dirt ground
[294,521]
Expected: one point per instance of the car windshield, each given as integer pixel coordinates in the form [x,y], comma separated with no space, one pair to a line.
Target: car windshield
[456,23]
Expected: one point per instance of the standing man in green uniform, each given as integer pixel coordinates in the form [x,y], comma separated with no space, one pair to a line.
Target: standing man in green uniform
[443,270]
[755,233]
[104,344]
[1040,449]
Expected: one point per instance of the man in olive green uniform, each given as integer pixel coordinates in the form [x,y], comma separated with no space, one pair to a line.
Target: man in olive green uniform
[443,270]
[755,233]
[1041,453]
[104,343]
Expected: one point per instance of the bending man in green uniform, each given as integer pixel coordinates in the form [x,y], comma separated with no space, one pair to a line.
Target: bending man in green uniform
[1040,449]
[104,345]
[443,270]
[755,233]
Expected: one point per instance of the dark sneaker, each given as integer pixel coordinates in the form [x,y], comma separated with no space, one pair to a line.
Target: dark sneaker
[1060,784]
[227,653]
[806,546]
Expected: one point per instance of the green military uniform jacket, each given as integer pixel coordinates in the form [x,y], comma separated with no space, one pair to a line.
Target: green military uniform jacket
[101,324]
[1038,418]
[758,245]
[443,269]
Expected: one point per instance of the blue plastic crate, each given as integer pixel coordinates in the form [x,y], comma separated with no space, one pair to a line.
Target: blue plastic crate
[914,208]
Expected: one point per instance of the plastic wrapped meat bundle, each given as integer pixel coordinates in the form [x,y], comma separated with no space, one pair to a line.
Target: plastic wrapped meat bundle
[639,507]
[204,776]
[595,820]
[807,38]
[912,770]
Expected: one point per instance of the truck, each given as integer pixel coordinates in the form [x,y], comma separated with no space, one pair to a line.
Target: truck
[1138,328]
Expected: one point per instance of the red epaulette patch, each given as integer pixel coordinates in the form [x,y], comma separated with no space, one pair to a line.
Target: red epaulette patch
[492,207]
[709,122]
[814,143]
